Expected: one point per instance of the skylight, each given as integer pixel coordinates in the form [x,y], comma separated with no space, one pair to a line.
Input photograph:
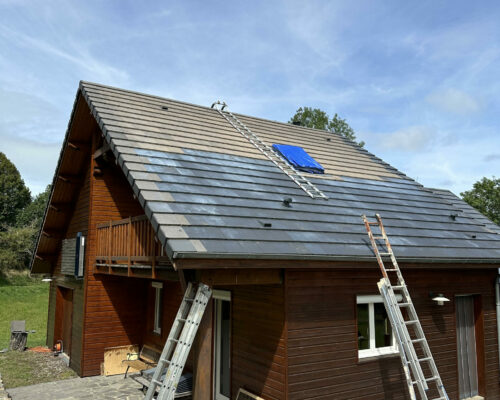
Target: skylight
[299,158]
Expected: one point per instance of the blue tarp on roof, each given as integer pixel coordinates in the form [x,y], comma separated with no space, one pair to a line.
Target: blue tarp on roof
[299,158]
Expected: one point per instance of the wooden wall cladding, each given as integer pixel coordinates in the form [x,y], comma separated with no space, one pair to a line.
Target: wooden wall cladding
[258,361]
[114,306]
[322,332]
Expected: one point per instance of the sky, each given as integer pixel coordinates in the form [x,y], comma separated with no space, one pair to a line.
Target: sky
[419,82]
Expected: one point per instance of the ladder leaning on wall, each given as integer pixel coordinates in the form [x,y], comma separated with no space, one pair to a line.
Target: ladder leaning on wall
[414,350]
[180,339]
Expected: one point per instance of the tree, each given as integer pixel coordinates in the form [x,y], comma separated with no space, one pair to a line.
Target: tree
[14,195]
[33,213]
[16,247]
[318,119]
[485,197]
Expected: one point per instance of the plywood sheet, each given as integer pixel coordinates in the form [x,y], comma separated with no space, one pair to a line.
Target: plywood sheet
[113,357]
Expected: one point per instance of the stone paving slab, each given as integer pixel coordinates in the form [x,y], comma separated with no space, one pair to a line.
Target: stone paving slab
[95,387]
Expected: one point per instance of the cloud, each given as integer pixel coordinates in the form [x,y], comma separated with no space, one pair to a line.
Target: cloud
[454,101]
[492,157]
[411,139]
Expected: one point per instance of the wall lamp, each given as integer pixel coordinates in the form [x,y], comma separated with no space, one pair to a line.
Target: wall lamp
[439,298]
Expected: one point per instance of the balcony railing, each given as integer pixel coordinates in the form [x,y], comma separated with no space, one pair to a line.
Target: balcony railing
[128,245]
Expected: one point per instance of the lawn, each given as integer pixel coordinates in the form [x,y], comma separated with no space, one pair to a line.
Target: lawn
[22,298]
[29,368]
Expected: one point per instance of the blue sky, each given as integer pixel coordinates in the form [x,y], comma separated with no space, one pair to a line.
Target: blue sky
[418,81]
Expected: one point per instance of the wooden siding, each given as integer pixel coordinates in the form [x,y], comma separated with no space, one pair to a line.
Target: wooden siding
[258,361]
[322,332]
[114,306]
[172,297]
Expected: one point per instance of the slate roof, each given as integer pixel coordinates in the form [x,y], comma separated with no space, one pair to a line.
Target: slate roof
[210,193]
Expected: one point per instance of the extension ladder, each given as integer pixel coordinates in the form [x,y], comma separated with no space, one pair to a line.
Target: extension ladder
[295,175]
[181,337]
[412,359]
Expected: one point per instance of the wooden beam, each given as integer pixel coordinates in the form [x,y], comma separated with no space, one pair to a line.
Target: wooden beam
[79,146]
[101,151]
[68,178]
[52,233]
[62,207]
[241,277]
[203,263]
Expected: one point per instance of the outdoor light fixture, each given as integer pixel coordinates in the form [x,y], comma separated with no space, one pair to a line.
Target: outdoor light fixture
[439,298]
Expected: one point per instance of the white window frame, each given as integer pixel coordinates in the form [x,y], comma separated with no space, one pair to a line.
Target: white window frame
[375,351]
[219,296]
[158,287]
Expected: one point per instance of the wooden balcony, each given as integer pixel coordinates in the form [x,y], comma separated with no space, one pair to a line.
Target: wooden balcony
[129,247]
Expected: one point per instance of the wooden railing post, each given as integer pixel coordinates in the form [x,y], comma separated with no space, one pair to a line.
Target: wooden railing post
[110,243]
[129,245]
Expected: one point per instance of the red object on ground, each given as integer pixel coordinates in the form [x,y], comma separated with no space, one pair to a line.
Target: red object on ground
[40,349]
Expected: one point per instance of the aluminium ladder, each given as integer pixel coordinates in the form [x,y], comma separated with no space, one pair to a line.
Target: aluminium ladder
[305,184]
[181,337]
[413,357]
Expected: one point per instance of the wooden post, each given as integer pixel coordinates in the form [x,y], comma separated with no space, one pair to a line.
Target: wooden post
[129,245]
[109,246]
[153,260]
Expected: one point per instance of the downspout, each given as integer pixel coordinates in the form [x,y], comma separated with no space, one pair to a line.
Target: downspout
[497,292]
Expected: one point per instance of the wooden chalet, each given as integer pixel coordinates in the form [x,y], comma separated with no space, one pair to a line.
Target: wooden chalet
[151,193]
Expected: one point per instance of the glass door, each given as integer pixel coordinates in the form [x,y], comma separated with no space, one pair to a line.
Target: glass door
[222,345]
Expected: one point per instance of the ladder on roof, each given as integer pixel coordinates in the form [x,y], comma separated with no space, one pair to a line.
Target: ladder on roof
[414,350]
[294,174]
[179,342]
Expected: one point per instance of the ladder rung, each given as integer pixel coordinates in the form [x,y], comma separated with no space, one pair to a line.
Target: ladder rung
[434,378]
[156,382]
[384,254]
[413,321]
[181,319]
[424,359]
[397,287]
[188,299]
[404,304]
[418,340]
[372,223]
[392,269]
[164,360]
[441,398]
[173,340]
[379,237]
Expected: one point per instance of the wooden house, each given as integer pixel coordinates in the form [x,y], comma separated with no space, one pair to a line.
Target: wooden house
[150,193]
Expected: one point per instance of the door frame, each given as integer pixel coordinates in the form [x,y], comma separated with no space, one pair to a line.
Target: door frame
[219,296]
[479,336]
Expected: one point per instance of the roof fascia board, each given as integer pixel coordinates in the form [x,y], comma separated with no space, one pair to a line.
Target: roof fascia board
[55,178]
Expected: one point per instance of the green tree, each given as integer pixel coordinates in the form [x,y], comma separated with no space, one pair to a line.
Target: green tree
[16,247]
[33,213]
[318,119]
[485,197]
[14,195]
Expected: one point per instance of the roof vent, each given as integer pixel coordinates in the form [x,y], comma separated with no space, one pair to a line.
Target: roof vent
[287,201]
[299,158]
[164,108]
[296,123]
[454,216]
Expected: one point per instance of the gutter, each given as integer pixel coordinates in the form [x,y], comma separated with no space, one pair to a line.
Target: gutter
[312,257]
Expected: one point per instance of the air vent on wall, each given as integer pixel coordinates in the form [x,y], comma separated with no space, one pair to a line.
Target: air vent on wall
[73,256]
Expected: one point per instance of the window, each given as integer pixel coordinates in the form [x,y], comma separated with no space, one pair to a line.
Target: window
[375,336]
[158,287]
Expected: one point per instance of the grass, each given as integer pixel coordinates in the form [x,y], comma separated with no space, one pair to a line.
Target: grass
[23,298]
[29,368]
